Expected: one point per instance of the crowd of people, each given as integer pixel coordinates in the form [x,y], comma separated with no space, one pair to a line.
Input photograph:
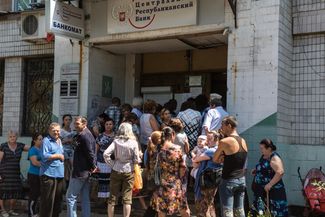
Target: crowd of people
[197,148]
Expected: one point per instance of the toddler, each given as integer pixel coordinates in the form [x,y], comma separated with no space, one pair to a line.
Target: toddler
[197,151]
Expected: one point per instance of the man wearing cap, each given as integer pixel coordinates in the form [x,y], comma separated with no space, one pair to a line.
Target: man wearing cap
[215,114]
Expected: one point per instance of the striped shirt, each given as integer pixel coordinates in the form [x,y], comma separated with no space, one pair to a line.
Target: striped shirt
[126,154]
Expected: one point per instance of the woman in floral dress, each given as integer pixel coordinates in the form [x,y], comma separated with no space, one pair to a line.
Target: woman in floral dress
[268,179]
[169,198]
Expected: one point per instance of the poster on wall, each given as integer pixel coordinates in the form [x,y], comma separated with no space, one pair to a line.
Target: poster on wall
[140,15]
[107,86]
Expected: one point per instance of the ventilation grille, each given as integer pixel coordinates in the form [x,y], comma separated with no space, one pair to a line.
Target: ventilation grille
[69,88]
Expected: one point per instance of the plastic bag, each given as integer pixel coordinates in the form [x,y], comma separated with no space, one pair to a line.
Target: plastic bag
[137,178]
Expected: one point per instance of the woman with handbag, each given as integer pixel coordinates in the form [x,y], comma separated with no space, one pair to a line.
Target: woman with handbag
[169,197]
[206,191]
[126,154]
[268,180]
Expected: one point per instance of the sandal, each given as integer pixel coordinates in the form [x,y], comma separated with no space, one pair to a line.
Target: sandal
[11,212]
[4,213]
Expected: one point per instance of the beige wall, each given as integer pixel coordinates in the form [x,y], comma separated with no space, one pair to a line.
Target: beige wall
[210,59]
[213,59]
[165,62]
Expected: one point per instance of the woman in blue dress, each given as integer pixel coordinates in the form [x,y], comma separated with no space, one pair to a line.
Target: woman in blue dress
[268,179]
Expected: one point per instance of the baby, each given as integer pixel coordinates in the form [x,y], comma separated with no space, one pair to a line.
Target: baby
[197,151]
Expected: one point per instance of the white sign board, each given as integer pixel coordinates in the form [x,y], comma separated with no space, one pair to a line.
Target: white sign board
[67,20]
[140,15]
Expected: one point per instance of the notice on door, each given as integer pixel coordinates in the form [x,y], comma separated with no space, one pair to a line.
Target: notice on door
[140,15]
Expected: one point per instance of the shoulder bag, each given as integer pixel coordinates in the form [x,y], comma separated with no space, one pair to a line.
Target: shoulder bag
[211,178]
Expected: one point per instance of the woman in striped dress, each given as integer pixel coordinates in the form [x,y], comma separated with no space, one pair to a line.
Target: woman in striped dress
[103,141]
[10,182]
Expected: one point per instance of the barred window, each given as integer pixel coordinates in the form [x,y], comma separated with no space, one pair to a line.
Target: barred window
[38,95]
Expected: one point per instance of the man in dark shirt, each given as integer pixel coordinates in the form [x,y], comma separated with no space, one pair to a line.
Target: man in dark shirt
[84,163]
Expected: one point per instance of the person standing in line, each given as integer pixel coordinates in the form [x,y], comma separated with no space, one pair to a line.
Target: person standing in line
[34,156]
[137,104]
[84,163]
[114,111]
[103,141]
[214,115]
[125,149]
[52,173]
[148,122]
[204,196]
[232,151]
[170,197]
[268,180]
[191,120]
[66,135]
[10,183]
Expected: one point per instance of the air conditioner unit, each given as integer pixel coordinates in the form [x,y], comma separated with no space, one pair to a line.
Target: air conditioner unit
[33,26]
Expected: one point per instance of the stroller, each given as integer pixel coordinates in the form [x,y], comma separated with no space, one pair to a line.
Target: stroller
[314,192]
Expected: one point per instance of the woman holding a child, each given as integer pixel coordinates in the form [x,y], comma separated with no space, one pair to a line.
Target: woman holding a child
[204,197]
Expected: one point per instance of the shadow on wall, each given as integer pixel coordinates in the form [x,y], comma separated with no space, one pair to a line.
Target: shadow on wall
[264,129]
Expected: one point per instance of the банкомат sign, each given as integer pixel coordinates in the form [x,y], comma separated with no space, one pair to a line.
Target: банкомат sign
[140,15]
[68,21]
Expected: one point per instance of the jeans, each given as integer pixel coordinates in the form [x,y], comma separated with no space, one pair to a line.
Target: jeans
[232,194]
[78,186]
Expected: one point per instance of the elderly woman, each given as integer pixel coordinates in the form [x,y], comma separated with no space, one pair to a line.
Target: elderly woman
[10,184]
[204,197]
[126,154]
[268,180]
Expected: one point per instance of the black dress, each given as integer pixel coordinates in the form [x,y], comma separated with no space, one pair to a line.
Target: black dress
[10,186]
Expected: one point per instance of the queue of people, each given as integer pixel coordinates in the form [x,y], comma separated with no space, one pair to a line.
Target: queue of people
[173,149]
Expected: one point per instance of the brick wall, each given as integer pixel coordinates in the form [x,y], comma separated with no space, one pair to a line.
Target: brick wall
[11,44]
[13,50]
[309,72]
[284,113]
[13,95]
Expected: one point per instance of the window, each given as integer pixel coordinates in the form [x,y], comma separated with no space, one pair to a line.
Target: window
[2,72]
[38,95]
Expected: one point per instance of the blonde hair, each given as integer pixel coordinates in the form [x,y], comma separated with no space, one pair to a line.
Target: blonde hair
[155,140]
[10,132]
[125,132]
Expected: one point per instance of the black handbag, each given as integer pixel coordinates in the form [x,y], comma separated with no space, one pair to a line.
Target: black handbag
[211,178]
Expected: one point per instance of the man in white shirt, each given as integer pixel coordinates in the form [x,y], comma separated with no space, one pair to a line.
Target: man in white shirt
[215,114]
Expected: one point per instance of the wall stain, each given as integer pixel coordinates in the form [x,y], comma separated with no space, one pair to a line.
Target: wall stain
[234,70]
